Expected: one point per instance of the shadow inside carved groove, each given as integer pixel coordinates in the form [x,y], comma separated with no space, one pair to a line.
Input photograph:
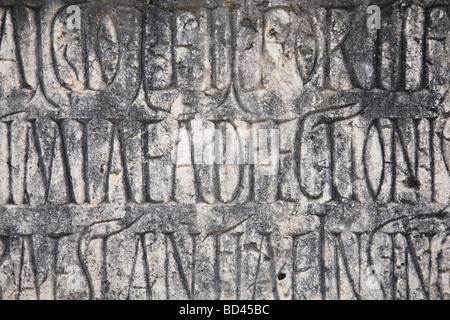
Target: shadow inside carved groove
[224,150]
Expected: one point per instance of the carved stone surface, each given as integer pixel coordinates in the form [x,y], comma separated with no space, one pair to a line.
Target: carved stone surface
[118,177]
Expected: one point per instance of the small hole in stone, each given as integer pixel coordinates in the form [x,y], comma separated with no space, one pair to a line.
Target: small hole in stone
[413,183]
[281,276]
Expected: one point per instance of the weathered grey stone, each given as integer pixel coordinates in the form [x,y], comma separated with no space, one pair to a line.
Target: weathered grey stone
[218,149]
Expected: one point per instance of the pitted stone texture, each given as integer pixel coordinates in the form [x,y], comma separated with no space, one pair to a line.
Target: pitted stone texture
[220,149]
